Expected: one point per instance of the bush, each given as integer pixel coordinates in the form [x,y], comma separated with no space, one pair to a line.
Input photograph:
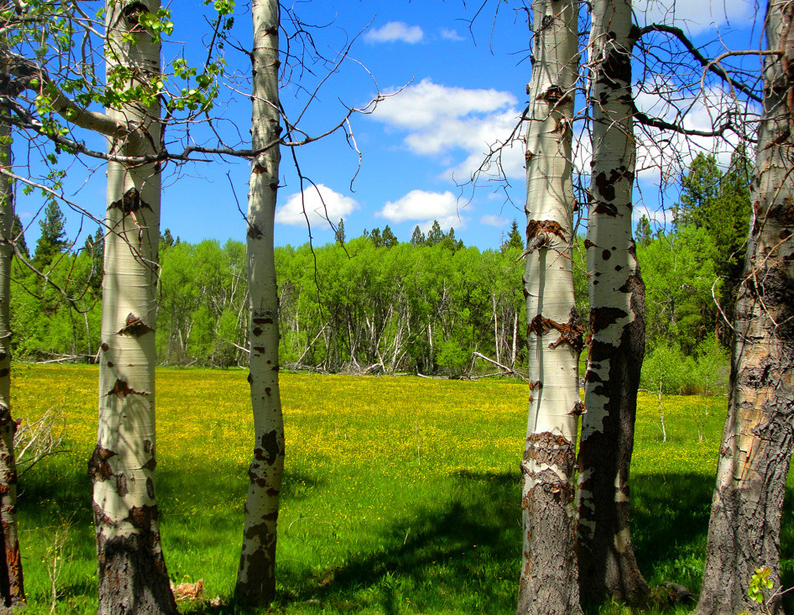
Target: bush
[705,373]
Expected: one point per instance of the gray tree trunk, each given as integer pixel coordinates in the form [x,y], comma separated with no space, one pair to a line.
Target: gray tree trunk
[256,580]
[12,592]
[607,566]
[549,580]
[744,530]
[132,576]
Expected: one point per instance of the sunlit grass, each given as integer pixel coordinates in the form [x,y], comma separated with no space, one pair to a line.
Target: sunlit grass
[401,495]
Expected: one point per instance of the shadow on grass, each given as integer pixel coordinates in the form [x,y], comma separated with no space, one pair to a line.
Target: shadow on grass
[464,554]
[670,515]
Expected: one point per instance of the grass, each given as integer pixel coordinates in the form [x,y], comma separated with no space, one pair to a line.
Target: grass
[401,495]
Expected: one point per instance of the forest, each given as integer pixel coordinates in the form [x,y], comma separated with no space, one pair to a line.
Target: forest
[372,304]
[589,318]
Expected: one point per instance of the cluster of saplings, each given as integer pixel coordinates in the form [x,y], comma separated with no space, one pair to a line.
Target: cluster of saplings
[375,304]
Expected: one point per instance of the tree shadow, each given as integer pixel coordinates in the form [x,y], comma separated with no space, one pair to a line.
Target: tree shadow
[466,553]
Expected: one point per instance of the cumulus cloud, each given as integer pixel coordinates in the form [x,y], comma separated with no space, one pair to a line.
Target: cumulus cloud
[450,35]
[695,16]
[440,120]
[395,31]
[424,207]
[492,220]
[321,205]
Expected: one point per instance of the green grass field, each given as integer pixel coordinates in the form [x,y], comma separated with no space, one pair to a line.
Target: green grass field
[401,495]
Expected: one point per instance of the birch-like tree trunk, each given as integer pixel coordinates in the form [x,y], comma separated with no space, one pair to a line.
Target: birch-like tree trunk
[256,581]
[12,592]
[549,581]
[744,530]
[132,575]
[607,566]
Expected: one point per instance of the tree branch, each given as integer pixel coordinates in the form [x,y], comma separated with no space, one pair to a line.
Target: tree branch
[708,65]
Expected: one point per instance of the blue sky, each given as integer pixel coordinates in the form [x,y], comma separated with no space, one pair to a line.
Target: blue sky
[454,92]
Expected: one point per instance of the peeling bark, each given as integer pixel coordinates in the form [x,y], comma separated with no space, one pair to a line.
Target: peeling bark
[549,581]
[12,592]
[256,577]
[744,529]
[607,565]
[132,575]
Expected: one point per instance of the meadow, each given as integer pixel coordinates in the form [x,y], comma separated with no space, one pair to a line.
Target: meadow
[401,494]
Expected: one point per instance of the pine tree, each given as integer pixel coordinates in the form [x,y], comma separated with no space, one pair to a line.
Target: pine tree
[513,239]
[18,234]
[53,237]
[418,237]
[435,234]
[389,238]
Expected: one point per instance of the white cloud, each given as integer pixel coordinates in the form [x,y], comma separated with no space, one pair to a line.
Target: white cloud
[395,31]
[425,207]
[450,35]
[321,204]
[696,16]
[441,119]
[492,220]
[659,218]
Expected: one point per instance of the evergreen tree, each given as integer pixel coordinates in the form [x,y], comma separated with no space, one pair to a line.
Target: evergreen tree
[339,233]
[389,238]
[167,239]
[435,235]
[418,237]
[53,237]
[18,233]
[513,239]
[95,246]
[644,233]
[719,203]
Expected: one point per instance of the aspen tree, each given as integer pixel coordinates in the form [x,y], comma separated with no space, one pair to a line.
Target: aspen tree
[256,581]
[549,582]
[12,591]
[132,576]
[607,566]
[744,530]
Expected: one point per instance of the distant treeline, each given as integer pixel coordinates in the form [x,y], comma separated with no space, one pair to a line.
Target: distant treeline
[374,304]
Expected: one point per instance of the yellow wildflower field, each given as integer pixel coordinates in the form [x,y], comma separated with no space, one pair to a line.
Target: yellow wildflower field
[396,488]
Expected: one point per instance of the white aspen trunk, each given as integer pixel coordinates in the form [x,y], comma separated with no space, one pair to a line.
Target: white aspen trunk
[12,591]
[256,581]
[549,581]
[757,441]
[607,566]
[496,339]
[132,576]
[514,353]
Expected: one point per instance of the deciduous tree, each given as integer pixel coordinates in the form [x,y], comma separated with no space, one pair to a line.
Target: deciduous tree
[132,574]
[607,566]
[256,580]
[549,580]
[744,530]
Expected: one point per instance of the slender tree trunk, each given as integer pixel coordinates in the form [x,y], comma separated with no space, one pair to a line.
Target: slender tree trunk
[549,580]
[12,592]
[132,575]
[607,566]
[256,580]
[744,530]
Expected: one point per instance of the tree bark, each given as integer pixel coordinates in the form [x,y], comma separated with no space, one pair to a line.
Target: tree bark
[744,529]
[549,580]
[132,575]
[12,591]
[256,581]
[607,566]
